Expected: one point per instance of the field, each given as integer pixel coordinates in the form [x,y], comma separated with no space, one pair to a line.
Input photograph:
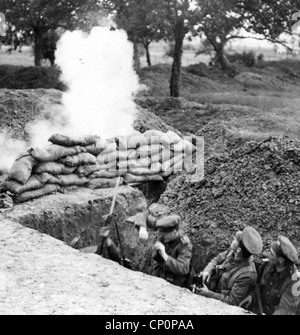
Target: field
[157,52]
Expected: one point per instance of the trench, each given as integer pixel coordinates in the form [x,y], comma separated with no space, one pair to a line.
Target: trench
[80,215]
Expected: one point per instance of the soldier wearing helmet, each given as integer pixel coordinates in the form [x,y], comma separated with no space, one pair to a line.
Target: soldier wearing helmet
[278,280]
[234,270]
[172,252]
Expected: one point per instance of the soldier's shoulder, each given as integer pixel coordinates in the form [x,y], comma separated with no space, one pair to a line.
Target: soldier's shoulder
[185,240]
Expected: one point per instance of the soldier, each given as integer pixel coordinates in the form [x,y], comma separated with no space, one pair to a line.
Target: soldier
[278,280]
[172,252]
[234,270]
[107,247]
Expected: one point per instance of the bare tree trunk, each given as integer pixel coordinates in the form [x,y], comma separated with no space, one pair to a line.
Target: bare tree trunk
[146,45]
[38,46]
[221,57]
[175,82]
[136,57]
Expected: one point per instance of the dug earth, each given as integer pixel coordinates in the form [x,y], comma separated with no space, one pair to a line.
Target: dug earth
[40,274]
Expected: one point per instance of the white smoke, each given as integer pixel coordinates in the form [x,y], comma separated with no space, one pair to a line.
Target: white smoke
[10,149]
[98,69]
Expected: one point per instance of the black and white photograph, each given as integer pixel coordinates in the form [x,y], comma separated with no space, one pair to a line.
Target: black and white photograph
[150,160]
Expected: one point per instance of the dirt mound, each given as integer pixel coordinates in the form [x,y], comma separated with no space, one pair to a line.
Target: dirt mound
[19,107]
[46,277]
[254,80]
[257,184]
[19,77]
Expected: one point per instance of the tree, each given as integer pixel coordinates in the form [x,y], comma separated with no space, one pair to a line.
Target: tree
[147,20]
[179,19]
[138,19]
[222,20]
[274,18]
[33,19]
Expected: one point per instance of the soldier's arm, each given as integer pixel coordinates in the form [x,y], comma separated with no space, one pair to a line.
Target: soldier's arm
[289,301]
[113,253]
[240,290]
[237,294]
[216,261]
[156,269]
[181,265]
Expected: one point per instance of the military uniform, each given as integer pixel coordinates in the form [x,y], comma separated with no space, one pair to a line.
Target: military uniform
[177,266]
[108,251]
[280,291]
[234,278]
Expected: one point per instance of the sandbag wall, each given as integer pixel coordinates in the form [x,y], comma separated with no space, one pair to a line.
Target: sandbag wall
[95,163]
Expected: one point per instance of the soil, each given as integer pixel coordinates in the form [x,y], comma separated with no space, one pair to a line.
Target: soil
[249,180]
[41,275]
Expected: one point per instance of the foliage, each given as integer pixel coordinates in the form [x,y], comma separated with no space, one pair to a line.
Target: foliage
[19,77]
[221,21]
[247,58]
[30,20]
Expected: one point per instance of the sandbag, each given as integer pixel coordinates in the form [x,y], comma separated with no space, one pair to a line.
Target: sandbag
[97,148]
[132,141]
[86,170]
[46,190]
[124,155]
[173,137]
[80,159]
[167,174]
[71,141]
[136,140]
[104,183]
[166,155]
[22,168]
[157,137]
[122,142]
[110,147]
[130,178]
[54,168]
[149,150]
[155,159]
[143,162]
[107,174]
[177,160]
[189,148]
[113,166]
[34,182]
[184,146]
[54,152]
[70,180]
[144,171]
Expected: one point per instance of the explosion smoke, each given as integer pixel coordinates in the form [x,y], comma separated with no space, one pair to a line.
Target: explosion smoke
[98,69]
[10,149]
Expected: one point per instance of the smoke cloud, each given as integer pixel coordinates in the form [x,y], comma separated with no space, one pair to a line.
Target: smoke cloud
[98,69]
[10,149]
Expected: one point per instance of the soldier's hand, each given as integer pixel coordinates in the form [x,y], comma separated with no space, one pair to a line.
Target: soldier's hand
[143,234]
[206,277]
[160,248]
[109,242]
[203,290]
[104,231]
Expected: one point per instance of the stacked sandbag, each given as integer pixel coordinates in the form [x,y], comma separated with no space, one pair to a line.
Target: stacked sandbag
[89,161]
